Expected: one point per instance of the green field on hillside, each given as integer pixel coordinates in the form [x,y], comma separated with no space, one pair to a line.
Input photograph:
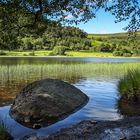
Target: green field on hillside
[102,45]
[119,44]
[112,36]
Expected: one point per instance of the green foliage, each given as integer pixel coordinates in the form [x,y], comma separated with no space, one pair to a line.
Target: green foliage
[127,54]
[123,51]
[106,48]
[129,86]
[59,50]
[3,131]
[32,53]
[71,11]
[26,43]
[2,53]
[117,53]
[103,47]
[30,43]
[118,44]
[24,29]
[71,37]
[44,34]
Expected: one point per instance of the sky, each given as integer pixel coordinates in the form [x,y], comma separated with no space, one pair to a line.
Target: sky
[102,24]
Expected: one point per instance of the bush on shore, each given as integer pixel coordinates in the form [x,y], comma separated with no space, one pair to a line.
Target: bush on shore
[2,53]
[59,50]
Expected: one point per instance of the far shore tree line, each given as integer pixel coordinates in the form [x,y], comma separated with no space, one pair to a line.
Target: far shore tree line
[46,37]
[49,35]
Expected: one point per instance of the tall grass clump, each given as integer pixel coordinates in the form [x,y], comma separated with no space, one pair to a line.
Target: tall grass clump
[4,135]
[129,87]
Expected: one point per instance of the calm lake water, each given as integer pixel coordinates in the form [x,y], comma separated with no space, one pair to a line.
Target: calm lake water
[96,77]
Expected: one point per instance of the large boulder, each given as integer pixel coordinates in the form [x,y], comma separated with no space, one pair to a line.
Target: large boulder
[44,102]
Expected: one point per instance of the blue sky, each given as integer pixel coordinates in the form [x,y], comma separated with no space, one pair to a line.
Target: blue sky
[103,23]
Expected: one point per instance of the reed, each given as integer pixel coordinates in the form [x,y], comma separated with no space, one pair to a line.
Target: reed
[129,86]
[28,73]
[4,135]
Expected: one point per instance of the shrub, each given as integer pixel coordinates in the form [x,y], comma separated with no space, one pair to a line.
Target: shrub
[27,43]
[32,53]
[59,50]
[127,54]
[25,54]
[117,53]
[125,50]
[129,86]
[95,48]
[99,39]
[2,53]
[105,47]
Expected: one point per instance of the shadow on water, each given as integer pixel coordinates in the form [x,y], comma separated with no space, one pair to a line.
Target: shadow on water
[126,109]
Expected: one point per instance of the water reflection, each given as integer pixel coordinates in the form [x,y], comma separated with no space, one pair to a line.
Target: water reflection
[101,106]
[97,80]
[61,60]
[126,109]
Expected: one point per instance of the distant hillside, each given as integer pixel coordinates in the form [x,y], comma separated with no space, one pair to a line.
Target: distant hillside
[117,43]
[119,36]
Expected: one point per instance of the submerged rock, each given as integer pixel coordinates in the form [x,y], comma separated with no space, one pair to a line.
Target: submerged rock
[44,102]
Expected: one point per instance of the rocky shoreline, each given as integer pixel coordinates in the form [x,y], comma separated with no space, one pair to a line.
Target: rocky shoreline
[125,129]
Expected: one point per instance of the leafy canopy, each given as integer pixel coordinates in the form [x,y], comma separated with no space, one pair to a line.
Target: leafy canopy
[73,11]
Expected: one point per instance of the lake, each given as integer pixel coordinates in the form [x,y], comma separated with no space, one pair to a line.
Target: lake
[96,77]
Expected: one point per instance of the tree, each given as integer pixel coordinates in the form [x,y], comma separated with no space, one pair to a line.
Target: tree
[76,10]
[29,18]
[59,50]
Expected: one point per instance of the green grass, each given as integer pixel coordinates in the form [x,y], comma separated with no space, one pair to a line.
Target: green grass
[25,73]
[4,131]
[68,53]
[129,86]
[81,53]
[27,53]
[120,36]
[88,54]
[96,43]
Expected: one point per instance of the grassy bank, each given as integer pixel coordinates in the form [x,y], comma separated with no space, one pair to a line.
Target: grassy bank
[129,86]
[88,54]
[47,53]
[129,89]
[25,53]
